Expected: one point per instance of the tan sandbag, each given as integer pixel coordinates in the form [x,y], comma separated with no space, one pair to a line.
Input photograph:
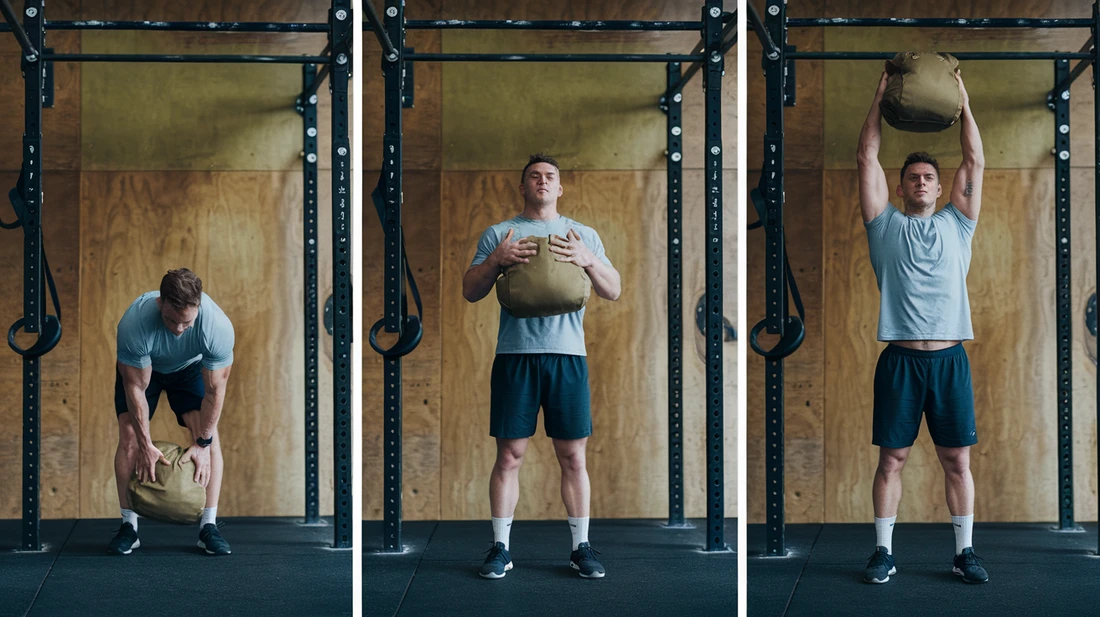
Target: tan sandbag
[175,497]
[922,94]
[543,286]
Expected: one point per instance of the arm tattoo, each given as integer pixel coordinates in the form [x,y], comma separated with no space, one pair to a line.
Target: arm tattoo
[969,188]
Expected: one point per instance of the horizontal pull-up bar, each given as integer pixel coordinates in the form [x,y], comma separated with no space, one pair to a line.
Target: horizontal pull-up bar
[515,24]
[938,22]
[29,52]
[962,55]
[186,26]
[552,57]
[202,59]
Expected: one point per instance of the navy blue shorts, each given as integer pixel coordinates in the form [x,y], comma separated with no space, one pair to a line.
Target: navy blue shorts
[521,383]
[185,391]
[909,382]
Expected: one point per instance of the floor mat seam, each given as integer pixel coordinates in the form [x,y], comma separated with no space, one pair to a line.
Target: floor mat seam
[787,606]
[38,592]
[405,593]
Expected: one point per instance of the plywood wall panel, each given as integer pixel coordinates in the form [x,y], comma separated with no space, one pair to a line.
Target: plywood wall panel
[60,409]
[804,415]
[627,348]
[1012,357]
[596,116]
[60,124]
[242,234]
[421,384]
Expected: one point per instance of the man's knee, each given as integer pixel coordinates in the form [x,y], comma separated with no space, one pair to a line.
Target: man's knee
[571,455]
[955,461]
[509,457]
[891,462]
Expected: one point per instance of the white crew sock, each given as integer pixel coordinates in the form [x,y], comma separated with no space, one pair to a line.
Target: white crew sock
[579,527]
[209,515]
[964,532]
[129,516]
[502,528]
[884,533]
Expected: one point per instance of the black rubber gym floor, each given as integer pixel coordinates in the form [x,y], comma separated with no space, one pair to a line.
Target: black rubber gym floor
[651,570]
[278,567]
[1032,571]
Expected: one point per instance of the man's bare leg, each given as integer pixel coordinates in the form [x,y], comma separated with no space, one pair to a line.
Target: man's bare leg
[959,487]
[504,486]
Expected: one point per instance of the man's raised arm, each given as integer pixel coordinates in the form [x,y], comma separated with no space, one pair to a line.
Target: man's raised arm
[873,190]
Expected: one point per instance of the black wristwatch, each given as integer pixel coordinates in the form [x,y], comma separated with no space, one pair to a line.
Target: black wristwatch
[205,443]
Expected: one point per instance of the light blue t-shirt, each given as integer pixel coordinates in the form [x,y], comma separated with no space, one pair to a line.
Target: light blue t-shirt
[561,334]
[921,266]
[144,340]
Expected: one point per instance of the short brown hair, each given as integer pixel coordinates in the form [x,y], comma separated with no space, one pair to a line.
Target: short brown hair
[920,157]
[539,157]
[181,288]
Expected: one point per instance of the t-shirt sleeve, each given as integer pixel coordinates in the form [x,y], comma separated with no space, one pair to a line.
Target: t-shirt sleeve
[966,225]
[217,344]
[877,226]
[133,344]
[485,246]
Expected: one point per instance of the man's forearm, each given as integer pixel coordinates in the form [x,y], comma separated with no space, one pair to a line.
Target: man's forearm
[870,137]
[605,280]
[479,280]
[970,138]
[139,412]
[210,412]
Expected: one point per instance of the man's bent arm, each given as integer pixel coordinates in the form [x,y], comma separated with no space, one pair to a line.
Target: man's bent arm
[605,280]
[966,192]
[479,280]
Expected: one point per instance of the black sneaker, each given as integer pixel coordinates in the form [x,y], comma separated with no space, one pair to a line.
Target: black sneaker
[497,563]
[969,567]
[211,540]
[584,561]
[125,541]
[880,567]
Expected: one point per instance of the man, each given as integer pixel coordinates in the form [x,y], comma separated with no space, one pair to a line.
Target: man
[179,342]
[921,258]
[540,361]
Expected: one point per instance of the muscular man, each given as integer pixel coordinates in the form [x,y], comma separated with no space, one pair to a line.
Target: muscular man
[540,361]
[921,257]
[179,342]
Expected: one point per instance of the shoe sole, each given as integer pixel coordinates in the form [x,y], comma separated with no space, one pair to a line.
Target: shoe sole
[583,575]
[136,544]
[494,575]
[210,552]
[876,581]
[959,573]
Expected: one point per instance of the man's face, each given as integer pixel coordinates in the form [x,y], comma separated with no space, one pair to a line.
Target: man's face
[920,187]
[177,322]
[541,185]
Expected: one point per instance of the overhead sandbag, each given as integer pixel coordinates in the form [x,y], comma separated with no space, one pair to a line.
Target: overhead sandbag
[922,94]
[175,497]
[543,286]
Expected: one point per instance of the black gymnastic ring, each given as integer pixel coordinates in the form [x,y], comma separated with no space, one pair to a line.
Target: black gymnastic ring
[47,338]
[410,338]
[793,335]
